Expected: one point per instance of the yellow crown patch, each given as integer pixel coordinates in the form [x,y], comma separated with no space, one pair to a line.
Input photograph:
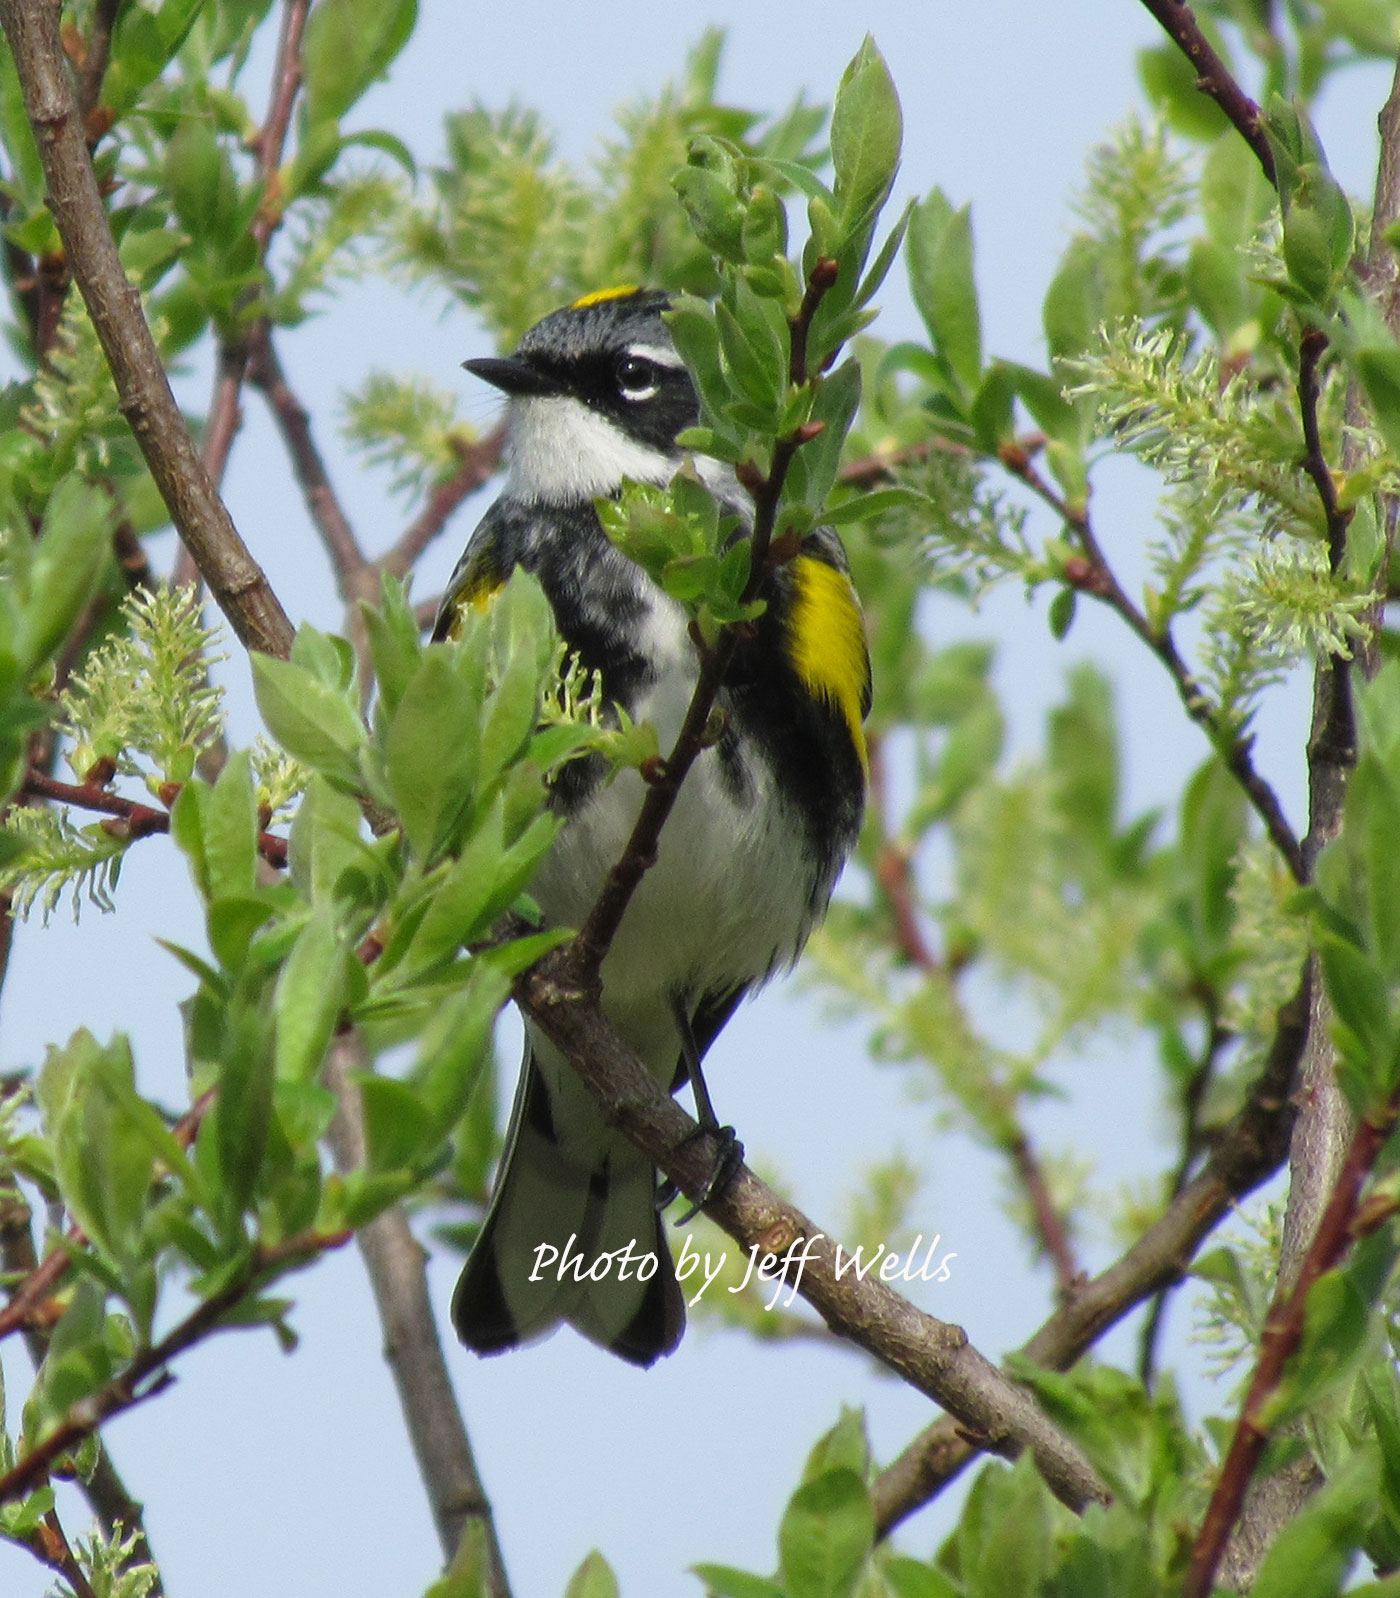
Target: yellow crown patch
[619,291]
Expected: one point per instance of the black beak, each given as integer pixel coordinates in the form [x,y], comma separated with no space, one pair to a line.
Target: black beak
[512,375]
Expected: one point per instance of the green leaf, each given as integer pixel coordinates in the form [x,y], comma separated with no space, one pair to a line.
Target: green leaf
[242,1114]
[866,129]
[455,1046]
[312,721]
[825,1537]
[844,1447]
[939,257]
[102,1156]
[592,1579]
[230,820]
[349,44]
[1173,87]
[311,990]
[71,552]
[200,177]
[1378,367]
[485,880]
[1062,608]
[1004,1540]
[1235,194]
[431,750]
[1074,302]
[327,843]
[399,1132]
[907,1578]
[1314,1552]
[722,1581]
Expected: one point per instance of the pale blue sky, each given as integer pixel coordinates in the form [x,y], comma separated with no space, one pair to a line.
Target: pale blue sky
[267,1474]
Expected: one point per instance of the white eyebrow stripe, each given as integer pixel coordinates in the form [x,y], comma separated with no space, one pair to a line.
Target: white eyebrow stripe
[659,354]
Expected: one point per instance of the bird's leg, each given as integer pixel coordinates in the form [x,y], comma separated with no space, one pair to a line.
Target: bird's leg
[730,1151]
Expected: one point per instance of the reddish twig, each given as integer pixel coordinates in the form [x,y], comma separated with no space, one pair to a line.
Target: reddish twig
[1192,1098]
[1214,79]
[1283,1331]
[286,85]
[146,1374]
[49,1544]
[134,819]
[97,48]
[1091,574]
[478,460]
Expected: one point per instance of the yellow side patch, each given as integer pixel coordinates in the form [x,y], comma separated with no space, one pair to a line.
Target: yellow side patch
[827,639]
[620,291]
[475,596]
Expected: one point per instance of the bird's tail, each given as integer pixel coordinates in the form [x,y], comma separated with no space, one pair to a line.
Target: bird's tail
[570,1191]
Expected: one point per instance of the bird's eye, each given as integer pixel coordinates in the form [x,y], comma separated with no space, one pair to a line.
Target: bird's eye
[637,378]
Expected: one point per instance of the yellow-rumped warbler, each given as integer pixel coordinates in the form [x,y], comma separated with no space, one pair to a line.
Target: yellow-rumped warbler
[747,860]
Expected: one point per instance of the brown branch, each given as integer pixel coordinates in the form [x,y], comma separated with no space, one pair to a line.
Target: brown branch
[479,460]
[1247,1153]
[1326,1127]
[49,1544]
[146,1373]
[1091,574]
[235,580]
[395,1261]
[1214,79]
[135,820]
[1283,1332]
[931,1355]
[1192,1098]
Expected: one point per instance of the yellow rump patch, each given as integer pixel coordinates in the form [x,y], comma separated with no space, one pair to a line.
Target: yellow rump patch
[827,638]
[619,291]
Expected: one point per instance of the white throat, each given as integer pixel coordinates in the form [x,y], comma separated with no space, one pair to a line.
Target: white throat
[562,452]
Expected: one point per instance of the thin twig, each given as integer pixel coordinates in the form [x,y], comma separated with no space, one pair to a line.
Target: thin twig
[107,1494]
[1192,1098]
[134,819]
[1214,79]
[478,460]
[146,1374]
[97,49]
[1091,574]
[394,1261]
[1248,1152]
[49,1544]
[1325,1129]
[286,85]
[235,580]
[1283,1331]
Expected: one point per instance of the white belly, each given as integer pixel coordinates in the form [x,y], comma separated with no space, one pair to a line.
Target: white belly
[727,900]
